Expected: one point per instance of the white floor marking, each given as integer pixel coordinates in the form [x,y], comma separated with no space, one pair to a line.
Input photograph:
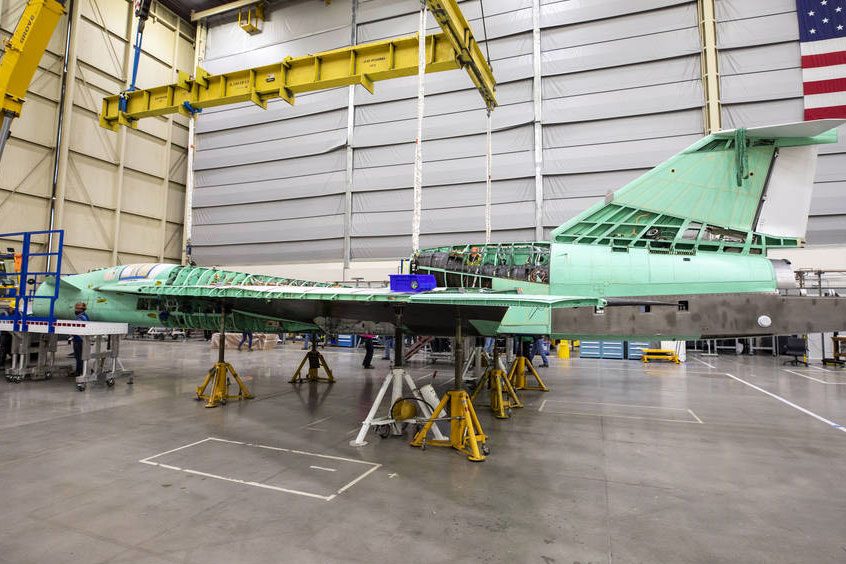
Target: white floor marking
[174,450]
[703,362]
[315,422]
[695,416]
[788,402]
[816,379]
[818,368]
[671,369]
[626,417]
[698,420]
[354,482]
[618,404]
[374,466]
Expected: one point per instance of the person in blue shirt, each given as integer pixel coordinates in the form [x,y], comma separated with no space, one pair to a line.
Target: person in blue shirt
[79,310]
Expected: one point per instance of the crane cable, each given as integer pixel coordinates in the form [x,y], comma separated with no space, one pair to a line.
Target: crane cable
[485,29]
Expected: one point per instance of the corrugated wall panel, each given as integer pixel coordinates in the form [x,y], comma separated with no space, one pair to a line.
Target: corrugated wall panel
[92,178]
[621,91]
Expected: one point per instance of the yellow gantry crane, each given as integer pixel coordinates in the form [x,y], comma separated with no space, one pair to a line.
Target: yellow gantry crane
[26,47]
[23,53]
[363,64]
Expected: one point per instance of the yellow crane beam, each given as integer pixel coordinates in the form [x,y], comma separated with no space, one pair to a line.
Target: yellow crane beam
[460,35]
[359,64]
[24,50]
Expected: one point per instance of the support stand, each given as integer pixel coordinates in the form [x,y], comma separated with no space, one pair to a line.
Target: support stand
[503,396]
[519,368]
[315,361]
[475,363]
[465,432]
[219,375]
[424,398]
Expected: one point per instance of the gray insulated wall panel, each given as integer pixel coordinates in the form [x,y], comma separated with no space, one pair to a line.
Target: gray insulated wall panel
[620,91]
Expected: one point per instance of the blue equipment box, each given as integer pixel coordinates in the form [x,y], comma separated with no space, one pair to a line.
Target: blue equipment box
[412,282]
[346,340]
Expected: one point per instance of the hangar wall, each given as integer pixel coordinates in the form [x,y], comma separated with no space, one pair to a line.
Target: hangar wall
[619,91]
[120,196]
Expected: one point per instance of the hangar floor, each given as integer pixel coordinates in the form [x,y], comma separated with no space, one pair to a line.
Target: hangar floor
[617,463]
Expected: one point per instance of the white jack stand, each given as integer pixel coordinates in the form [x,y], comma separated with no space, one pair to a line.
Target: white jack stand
[425,398]
[478,357]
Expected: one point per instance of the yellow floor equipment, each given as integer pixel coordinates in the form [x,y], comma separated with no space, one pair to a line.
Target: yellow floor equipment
[220,388]
[503,395]
[659,354]
[465,432]
[219,375]
[315,361]
[518,375]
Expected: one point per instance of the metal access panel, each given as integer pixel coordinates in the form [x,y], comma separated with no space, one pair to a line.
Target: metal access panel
[612,349]
[590,349]
[635,349]
[601,349]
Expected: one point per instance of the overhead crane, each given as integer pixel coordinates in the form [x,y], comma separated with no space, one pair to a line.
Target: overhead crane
[455,47]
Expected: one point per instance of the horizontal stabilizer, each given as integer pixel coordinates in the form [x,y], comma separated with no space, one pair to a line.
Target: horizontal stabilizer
[788,130]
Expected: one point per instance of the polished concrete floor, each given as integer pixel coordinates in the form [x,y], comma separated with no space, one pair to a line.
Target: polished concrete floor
[729,459]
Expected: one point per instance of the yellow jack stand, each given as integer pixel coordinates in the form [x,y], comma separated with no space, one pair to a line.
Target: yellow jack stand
[220,389]
[498,382]
[465,432]
[517,375]
[315,361]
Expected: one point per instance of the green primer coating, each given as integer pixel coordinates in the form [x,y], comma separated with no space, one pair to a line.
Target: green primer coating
[587,270]
[193,297]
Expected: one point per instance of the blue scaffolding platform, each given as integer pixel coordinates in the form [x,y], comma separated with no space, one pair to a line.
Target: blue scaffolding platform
[28,280]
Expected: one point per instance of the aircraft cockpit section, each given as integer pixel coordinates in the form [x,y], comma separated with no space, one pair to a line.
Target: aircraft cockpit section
[144,271]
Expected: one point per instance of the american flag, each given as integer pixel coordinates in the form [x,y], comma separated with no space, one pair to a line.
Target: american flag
[822,33]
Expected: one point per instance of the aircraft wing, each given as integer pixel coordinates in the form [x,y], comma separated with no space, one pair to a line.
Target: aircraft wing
[349,310]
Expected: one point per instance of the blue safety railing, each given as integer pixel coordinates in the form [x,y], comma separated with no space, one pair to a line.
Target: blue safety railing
[28,280]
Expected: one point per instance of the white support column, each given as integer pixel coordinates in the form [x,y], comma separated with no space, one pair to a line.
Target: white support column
[67,114]
[350,153]
[418,155]
[187,221]
[538,111]
[168,145]
[710,66]
[122,135]
[488,144]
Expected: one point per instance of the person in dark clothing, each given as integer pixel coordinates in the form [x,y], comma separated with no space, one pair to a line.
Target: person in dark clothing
[5,342]
[368,350]
[539,348]
[244,336]
[79,310]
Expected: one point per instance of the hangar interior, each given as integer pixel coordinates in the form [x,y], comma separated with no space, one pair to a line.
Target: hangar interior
[260,236]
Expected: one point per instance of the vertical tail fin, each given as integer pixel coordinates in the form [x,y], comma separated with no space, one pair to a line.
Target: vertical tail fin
[748,188]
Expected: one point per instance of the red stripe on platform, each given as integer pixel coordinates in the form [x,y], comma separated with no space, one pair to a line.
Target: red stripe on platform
[824,60]
[825,86]
[825,113]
